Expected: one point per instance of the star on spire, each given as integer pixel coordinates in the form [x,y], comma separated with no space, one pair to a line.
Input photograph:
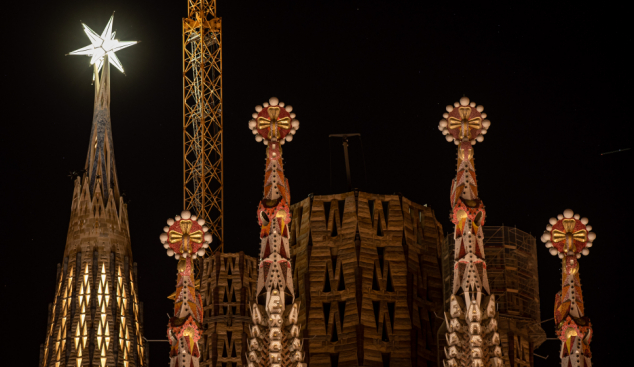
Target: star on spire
[103,45]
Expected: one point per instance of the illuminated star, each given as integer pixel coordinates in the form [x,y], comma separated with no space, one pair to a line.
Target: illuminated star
[103,45]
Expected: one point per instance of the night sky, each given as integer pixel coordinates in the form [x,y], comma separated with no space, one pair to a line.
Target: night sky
[553,80]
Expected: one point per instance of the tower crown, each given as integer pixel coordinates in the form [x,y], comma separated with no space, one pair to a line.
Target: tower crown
[273,121]
[464,121]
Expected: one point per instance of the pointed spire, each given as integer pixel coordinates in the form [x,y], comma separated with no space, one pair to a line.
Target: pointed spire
[274,124]
[568,236]
[185,237]
[464,124]
[100,163]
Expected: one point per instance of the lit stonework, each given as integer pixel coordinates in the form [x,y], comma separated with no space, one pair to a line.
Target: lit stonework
[568,236]
[511,256]
[471,320]
[96,318]
[366,267]
[185,237]
[275,335]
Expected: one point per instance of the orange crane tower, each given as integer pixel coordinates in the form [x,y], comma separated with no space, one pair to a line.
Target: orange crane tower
[202,115]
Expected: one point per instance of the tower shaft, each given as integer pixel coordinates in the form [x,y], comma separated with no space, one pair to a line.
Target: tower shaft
[568,236]
[96,318]
[471,320]
[184,329]
[202,115]
[274,338]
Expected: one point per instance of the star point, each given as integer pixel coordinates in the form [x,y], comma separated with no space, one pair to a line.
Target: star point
[102,45]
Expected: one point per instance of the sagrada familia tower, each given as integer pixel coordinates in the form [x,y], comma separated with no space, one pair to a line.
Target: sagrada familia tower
[365,267]
[472,335]
[568,236]
[96,318]
[275,334]
[185,237]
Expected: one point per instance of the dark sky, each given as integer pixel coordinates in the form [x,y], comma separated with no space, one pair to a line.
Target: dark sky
[554,81]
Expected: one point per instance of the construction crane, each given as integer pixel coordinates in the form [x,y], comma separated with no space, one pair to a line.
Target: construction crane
[202,116]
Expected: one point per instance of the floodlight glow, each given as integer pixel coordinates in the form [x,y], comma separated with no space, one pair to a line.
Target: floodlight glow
[103,45]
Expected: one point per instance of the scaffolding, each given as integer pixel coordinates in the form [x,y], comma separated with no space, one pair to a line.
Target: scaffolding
[511,258]
[202,115]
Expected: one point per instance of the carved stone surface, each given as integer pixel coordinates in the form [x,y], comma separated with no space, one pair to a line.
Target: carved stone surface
[512,267]
[366,267]
[227,285]
[96,318]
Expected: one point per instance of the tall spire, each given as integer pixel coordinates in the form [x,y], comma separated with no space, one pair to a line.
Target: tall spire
[100,163]
[568,236]
[471,321]
[96,316]
[274,124]
[185,238]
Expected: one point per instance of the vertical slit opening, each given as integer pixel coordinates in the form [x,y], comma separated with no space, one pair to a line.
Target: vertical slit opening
[342,281]
[326,314]
[386,359]
[334,360]
[376,306]
[384,335]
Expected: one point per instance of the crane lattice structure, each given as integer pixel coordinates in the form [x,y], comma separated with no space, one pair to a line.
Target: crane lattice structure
[202,115]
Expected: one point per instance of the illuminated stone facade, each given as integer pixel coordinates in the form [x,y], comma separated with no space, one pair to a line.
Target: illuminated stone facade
[96,318]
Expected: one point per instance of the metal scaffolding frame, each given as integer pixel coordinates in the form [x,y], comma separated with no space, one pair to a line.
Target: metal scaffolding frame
[202,115]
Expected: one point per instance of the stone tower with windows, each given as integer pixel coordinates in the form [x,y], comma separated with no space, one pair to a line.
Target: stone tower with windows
[96,318]
[367,268]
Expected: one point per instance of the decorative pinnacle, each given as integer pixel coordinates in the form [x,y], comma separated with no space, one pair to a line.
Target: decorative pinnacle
[568,235]
[186,235]
[273,121]
[464,122]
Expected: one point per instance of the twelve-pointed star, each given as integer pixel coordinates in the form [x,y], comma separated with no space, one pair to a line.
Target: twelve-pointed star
[103,45]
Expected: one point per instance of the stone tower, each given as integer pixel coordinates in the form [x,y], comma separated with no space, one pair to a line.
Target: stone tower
[568,236]
[96,318]
[367,268]
[274,339]
[471,320]
[511,257]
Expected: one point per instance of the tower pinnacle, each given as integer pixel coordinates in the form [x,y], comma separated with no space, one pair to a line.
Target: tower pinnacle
[186,237]
[568,236]
[96,316]
[472,335]
[100,164]
[273,124]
